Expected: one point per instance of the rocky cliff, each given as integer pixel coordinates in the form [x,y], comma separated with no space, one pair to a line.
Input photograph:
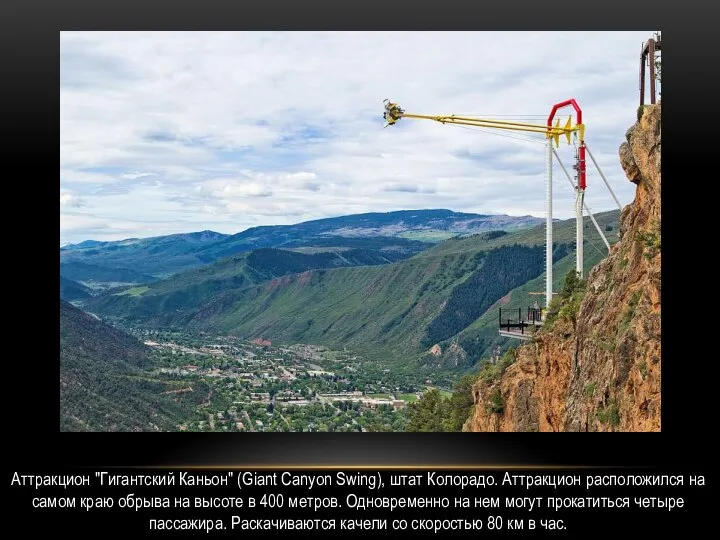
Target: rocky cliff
[596,367]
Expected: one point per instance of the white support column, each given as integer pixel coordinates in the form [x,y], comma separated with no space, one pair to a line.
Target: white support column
[549,228]
[579,224]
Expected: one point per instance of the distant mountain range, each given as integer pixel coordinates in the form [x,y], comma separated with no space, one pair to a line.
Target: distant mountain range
[406,232]
[151,257]
[84,272]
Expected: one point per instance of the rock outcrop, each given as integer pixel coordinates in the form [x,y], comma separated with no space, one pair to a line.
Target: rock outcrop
[598,369]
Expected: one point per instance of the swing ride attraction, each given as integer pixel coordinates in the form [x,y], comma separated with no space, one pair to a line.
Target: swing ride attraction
[517,322]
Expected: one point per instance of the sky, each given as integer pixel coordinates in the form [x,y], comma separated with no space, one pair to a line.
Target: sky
[169,132]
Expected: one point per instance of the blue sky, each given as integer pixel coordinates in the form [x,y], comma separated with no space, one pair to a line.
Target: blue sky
[175,132]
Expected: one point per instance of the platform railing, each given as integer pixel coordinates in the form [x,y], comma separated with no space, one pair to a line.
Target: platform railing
[519,318]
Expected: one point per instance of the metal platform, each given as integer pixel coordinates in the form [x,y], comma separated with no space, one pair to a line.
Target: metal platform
[519,323]
[515,335]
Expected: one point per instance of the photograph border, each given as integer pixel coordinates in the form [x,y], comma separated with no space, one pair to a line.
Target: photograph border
[32,80]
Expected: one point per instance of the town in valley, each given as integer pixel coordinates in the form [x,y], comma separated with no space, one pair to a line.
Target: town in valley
[258,387]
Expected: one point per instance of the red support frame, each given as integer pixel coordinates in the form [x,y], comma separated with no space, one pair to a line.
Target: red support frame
[581,149]
[557,106]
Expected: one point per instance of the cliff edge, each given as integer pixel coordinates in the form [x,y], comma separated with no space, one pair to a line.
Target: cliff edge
[595,367]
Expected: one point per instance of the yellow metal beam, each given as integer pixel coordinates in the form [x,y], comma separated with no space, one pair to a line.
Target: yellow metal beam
[393,113]
[456,118]
[537,129]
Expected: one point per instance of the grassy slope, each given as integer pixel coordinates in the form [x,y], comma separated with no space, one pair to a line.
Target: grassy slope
[190,289]
[363,308]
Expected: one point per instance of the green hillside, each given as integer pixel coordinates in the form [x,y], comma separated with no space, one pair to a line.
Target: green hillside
[193,288]
[393,312]
[102,385]
[72,290]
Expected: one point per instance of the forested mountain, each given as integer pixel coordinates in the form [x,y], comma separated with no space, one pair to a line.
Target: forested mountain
[192,288]
[72,290]
[102,387]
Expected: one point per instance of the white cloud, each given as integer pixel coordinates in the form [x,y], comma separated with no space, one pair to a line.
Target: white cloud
[136,175]
[66,199]
[239,189]
[225,130]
